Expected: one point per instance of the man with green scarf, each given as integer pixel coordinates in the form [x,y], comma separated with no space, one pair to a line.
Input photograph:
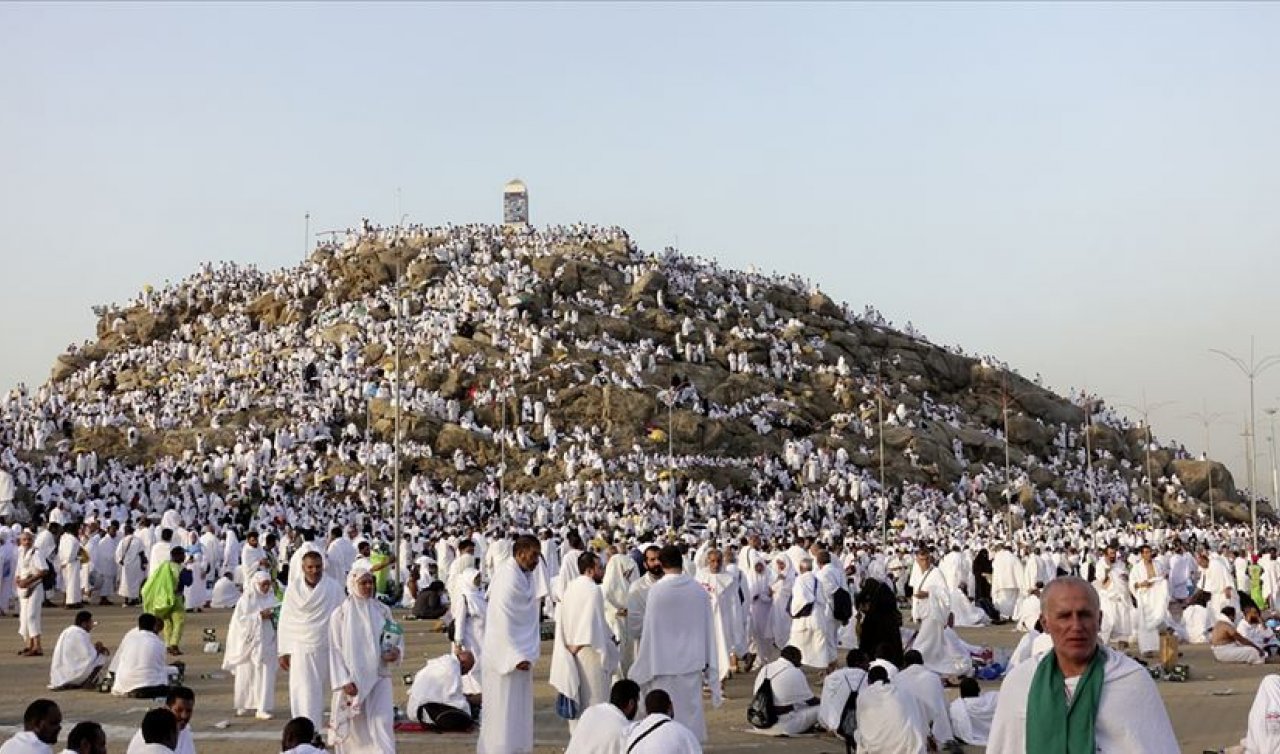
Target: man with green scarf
[162,596]
[1082,697]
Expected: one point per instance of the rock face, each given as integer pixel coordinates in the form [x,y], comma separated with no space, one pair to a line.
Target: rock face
[780,363]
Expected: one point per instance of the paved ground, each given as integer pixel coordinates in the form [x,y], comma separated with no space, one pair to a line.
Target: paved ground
[1208,712]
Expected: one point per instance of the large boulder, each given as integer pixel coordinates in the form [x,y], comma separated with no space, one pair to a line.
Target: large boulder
[1198,476]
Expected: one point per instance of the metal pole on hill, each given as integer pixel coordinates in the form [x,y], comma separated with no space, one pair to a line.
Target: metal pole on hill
[1207,419]
[306,236]
[1275,483]
[395,503]
[1253,369]
[1146,410]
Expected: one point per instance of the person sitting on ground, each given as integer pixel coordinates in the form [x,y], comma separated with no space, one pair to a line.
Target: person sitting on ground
[436,697]
[1195,618]
[77,658]
[837,686]
[225,592]
[1229,646]
[299,737]
[431,602]
[140,665]
[602,727]
[86,737]
[659,732]
[889,719]
[159,733]
[1255,630]
[181,702]
[793,701]
[925,687]
[41,724]
[1115,704]
[973,712]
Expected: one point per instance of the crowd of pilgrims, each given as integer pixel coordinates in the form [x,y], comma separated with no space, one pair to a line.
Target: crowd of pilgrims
[810,522]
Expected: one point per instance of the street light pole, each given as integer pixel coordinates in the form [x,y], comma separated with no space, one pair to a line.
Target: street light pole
[306,236]
[1252,370]
[1146,410]
[395,504]
[1271,440]
[884,491]
[1207,419]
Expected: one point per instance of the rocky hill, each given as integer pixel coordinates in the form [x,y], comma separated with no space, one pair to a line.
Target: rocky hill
[597,331]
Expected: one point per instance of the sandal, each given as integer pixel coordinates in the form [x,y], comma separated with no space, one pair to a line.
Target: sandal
[37,653]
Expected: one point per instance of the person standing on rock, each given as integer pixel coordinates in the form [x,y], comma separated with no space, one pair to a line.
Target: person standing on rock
[303,637]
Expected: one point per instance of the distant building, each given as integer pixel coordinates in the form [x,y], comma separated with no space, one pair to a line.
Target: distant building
[515,203]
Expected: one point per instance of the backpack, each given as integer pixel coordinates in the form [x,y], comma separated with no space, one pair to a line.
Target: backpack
[841,605]
[760,713]
[50,578]
[849,716]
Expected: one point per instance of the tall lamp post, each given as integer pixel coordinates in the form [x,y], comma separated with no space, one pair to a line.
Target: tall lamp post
[1006,395]
[1207,419]
[395,503]
[1146,410]
[884,491]
[1271,440]
[1253,369]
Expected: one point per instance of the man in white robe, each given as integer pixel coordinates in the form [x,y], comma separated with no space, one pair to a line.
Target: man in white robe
[130,555]
[795,704]
[225,592]
[889,720]
[838,685]
[439,685]
[638,596]
[302,637]
[808,610]
[77,658]
[931,606]
[1006,581]
[677,650]
[972,713]
[103,555]
[660,732]
[1150,587]
[1215,578]
[341,555]
[926,688]
[602,729]
[70,553]
[619,573]
[1130,715]
[41,723]
[512,644]
[28,581]
[140,665]
[585,654]
[726,612]
[181,702]
[1117,603]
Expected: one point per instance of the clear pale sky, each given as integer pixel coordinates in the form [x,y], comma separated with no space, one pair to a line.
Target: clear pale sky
[1090,192]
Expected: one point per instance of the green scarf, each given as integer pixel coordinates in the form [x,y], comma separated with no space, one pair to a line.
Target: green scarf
[160,593]
[1053,725]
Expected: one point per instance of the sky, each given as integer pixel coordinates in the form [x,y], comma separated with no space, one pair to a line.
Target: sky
[1086,191]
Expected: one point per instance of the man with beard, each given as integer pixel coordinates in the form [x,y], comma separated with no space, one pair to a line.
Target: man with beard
[638,595]
[303,637]
[41,724]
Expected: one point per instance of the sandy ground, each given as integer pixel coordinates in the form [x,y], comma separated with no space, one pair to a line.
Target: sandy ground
[1208,712]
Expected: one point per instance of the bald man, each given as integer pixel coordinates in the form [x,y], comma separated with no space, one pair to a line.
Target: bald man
[1039,701]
